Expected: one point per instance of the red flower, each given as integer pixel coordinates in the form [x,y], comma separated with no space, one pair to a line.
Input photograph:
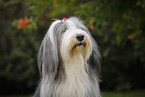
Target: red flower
[28,21]
[19,27]
[23,24]
[57,5]
[91,27]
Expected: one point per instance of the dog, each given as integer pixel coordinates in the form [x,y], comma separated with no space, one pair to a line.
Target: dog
[68,61]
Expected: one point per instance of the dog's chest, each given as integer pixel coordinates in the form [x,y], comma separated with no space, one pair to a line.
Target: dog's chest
[76,84]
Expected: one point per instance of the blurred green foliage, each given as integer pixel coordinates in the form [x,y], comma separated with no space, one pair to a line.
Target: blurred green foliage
[118,26]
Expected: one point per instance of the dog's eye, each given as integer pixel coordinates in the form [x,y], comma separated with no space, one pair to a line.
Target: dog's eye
[65,29]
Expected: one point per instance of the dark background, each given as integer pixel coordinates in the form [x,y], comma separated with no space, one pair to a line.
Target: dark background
[118,26]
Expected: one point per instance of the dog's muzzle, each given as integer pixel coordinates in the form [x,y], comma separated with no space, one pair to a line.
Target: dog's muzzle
[80,41]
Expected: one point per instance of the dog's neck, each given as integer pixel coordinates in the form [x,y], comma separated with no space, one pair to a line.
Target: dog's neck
[76,77]
[75,66]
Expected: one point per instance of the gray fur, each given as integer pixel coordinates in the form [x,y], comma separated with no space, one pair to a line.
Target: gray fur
[50,63]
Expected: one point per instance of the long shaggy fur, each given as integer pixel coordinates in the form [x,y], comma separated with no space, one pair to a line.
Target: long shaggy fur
[68,67]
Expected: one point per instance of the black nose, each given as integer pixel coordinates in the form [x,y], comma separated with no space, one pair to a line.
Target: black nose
[80,37]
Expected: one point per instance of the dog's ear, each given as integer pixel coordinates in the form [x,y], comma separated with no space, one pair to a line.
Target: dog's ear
[94,60]
[48,55]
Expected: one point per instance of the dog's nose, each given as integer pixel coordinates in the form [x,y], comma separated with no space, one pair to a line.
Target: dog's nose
[80,37]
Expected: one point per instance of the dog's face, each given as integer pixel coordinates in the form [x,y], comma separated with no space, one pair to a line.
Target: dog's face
[75,42]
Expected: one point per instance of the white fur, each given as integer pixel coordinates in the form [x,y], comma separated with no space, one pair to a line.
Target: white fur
[75,78]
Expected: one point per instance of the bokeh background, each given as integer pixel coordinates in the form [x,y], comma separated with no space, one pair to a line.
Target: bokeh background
[118,26]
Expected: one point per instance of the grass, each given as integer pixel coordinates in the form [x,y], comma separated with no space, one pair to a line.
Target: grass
[124,94]
[140,93]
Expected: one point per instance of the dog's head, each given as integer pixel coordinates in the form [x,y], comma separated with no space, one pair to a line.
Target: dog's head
[75,41]
[64,41]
